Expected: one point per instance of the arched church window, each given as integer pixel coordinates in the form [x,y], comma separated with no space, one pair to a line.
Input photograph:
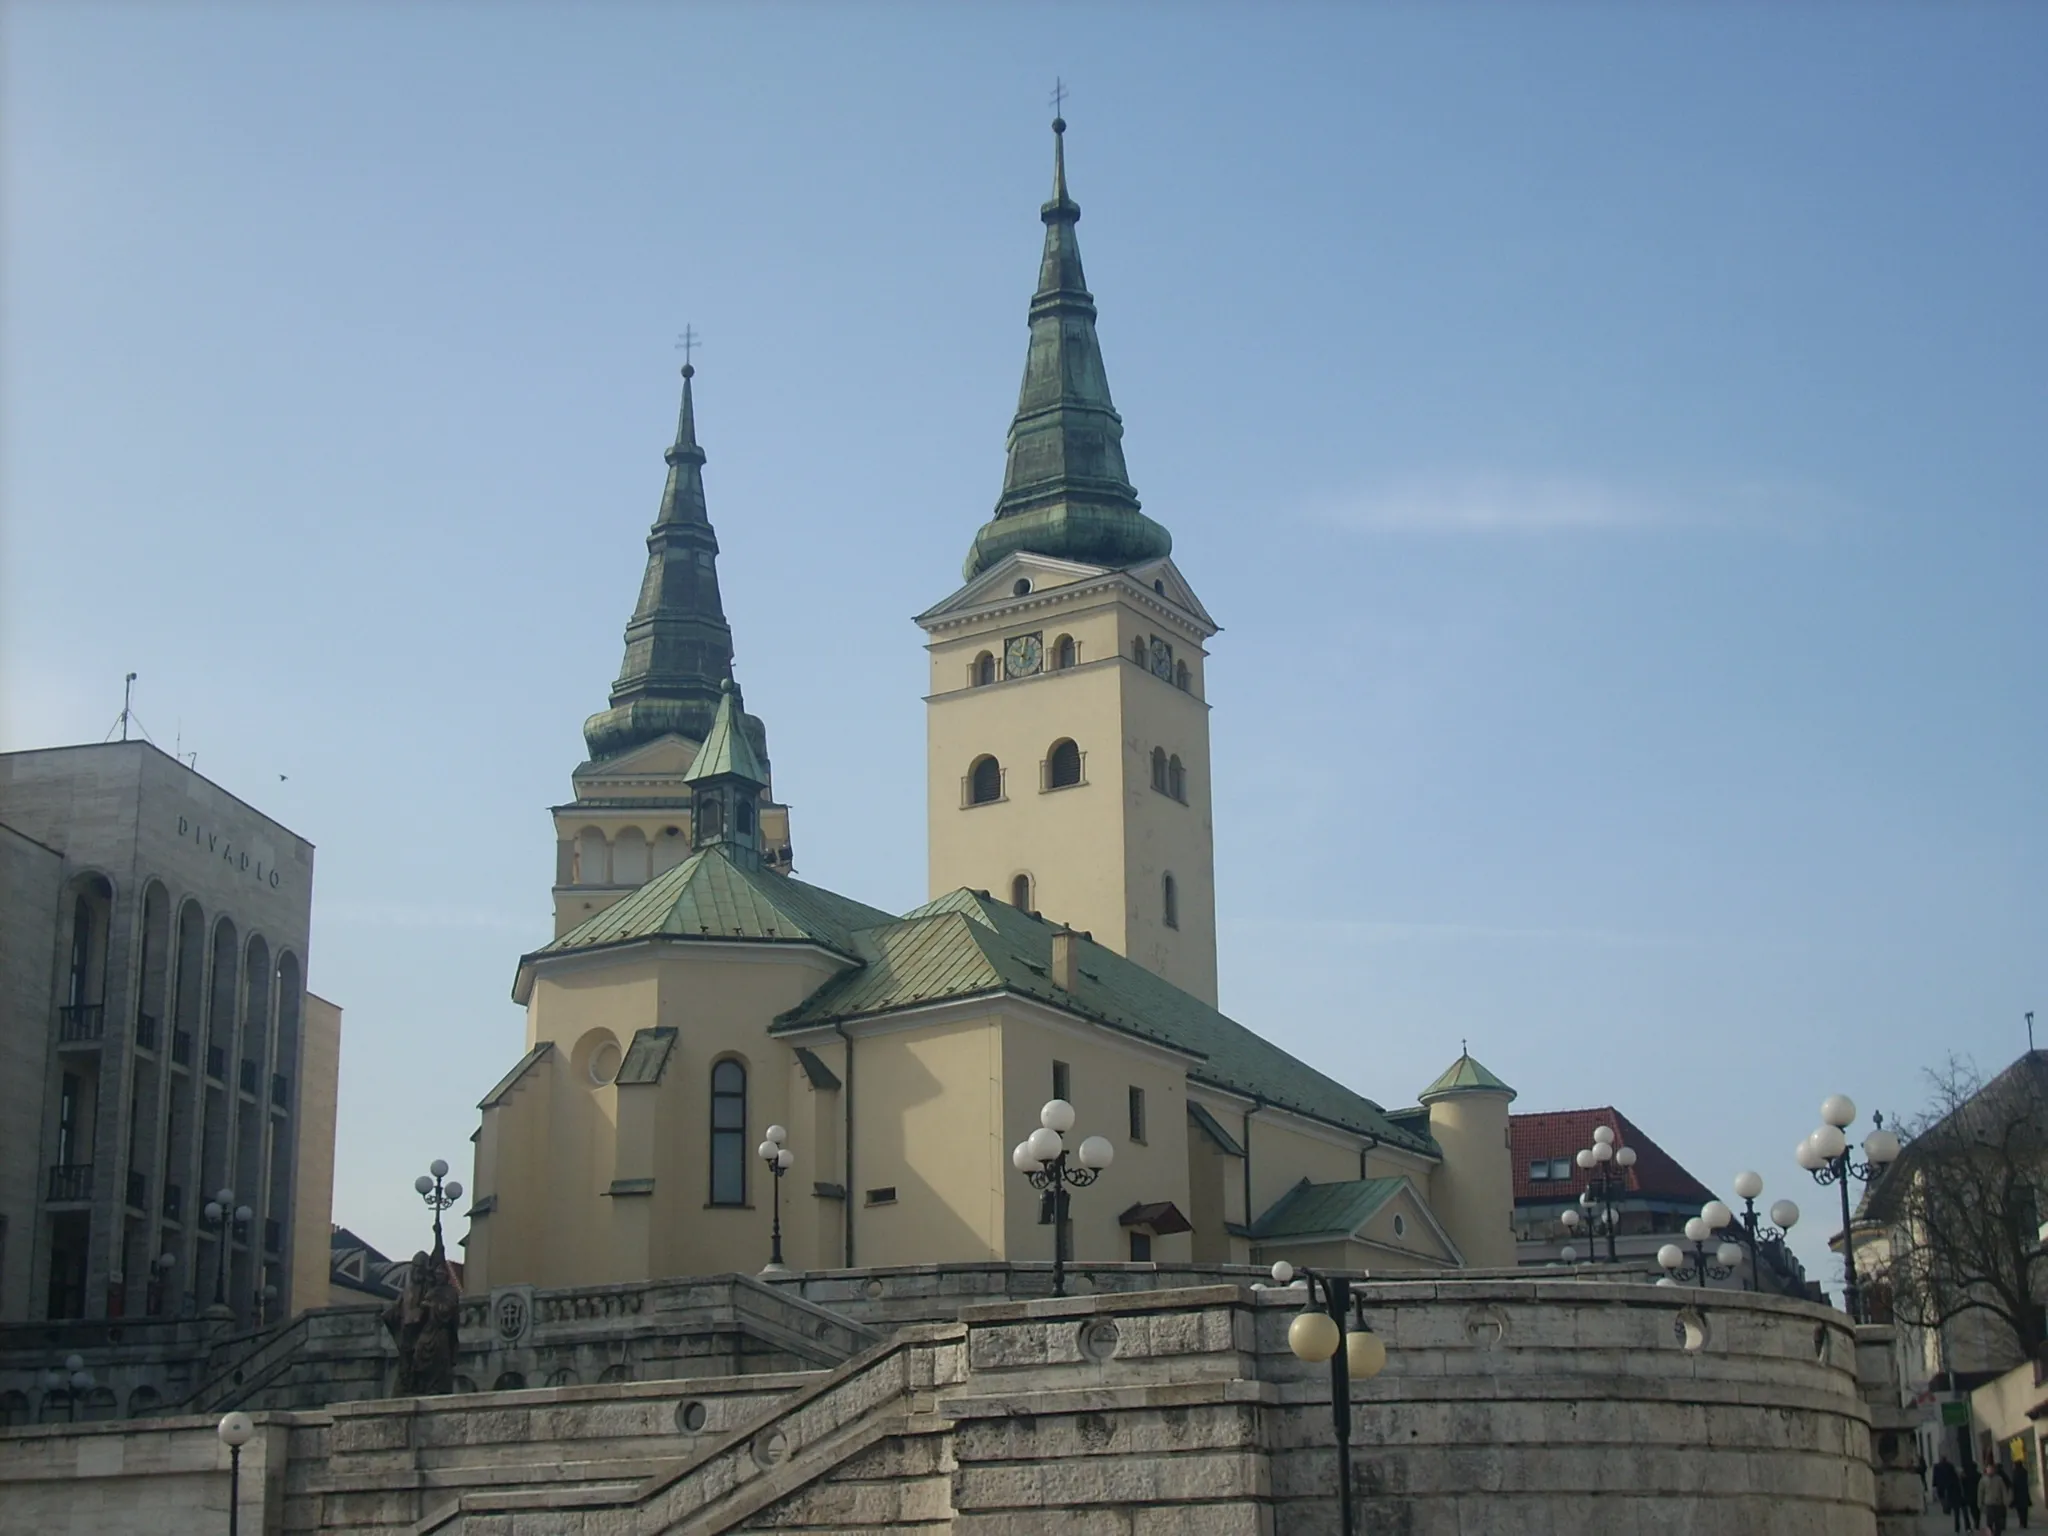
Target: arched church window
[729,1133]
[984,781]
[1020,893]
[1062,765]
[1062,653]
[710,812]
[1159,769]
[984,670]
[1180,676]
[743,813]
[1177,779]
[1169,901]
[1138,650]
[631,861]
[593,858]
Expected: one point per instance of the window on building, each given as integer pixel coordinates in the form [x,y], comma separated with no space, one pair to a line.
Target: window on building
[1180,676]
[743,813]
[1141,1247]
[1062,765]
[1560,1170]
[984,781]
[1169,901]
[81,953]
[1138,1115]
[1177,779]
[710,817]
[1063,654]
[728,1134]
[67,1117]
[886,1195]
[1159,769]
[1063,1081]
[1021,587]
[1539,1171]
[1020,893]
[1138,649]
[983,672]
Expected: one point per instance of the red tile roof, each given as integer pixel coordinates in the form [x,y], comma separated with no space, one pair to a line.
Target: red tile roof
[1561,1133]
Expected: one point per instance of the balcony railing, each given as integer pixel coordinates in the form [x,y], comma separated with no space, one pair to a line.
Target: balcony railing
[249,1077]
[81,1023]
[181,1047]
[217,1063]
[146,1030]
[138,1189]
[71,1181]
[280,1090]
[174,1202]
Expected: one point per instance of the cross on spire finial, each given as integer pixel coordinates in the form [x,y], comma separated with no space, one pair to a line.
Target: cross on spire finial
[686,344]
[1059,102]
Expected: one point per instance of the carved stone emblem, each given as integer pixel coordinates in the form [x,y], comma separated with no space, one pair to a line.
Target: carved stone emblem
[511,1315]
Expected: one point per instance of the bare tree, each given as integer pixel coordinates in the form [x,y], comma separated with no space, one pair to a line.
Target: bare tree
[1965,1201]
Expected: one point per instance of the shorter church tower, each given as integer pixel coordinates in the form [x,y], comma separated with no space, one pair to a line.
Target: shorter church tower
[1473,1189]
[631,819]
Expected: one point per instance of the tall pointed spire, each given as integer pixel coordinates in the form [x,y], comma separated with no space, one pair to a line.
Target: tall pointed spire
[1065,489]
[678,644]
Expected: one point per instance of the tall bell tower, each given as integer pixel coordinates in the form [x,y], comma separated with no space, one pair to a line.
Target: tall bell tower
[1067,725]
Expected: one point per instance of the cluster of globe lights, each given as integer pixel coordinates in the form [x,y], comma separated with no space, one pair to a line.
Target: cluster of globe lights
[1047,1145]
[1314,1335]
[437,1171]
[1603,1151]
[772,1151]
[1829,1140]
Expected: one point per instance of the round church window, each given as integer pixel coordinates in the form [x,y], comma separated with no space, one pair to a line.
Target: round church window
[604,1064]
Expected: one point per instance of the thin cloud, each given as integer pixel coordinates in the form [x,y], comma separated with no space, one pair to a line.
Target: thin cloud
[1551,505]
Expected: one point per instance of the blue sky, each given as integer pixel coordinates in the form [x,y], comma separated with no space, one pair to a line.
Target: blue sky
[1610,438]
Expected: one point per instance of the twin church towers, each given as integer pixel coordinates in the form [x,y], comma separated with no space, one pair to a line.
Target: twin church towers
[1068,729]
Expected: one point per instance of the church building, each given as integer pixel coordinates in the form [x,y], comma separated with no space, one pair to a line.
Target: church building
[697,994]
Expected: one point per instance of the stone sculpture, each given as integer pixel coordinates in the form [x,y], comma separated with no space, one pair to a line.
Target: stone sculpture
[423,1323]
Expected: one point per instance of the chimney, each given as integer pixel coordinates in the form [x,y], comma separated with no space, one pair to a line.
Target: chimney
[1066,959]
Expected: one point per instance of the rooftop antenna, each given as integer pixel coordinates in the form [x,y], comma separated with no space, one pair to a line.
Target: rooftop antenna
[127,712]
[2030,1031]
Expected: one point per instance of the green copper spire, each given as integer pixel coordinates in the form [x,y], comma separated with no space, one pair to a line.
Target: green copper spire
[1065,490]
[726,780]
[678,645]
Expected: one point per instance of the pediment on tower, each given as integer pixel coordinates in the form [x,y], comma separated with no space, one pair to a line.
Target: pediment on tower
[996,587]
[1165,580]
[662,761]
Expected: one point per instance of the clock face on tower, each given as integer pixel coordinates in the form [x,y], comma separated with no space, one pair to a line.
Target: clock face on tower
[1022,655]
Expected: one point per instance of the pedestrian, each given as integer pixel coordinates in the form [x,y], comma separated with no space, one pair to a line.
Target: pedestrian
[1948,1488]
[1995,1493]
[2022,1491]
[1970,1480]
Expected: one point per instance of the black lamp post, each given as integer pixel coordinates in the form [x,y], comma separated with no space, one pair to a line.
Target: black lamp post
[779,1160]
[1753,1232]
[1607,1163]
[1333,1328]
[1825,1154]
[228,1221]
[438,1195]
[74,1377]
[1042,1158]
[235,1431]
[1712,1218]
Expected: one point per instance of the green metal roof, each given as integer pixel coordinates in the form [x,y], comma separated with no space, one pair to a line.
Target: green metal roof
[1320,1210]
[726,750]
[707,896]
[1465,1075]
[968,944]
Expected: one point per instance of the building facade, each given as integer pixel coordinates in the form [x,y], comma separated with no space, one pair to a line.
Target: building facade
[160,1045]
[692,1001]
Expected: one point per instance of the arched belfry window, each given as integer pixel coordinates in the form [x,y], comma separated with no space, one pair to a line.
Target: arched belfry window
[1062,765]
[984,781]
[1169,901]
[984,669]
[1020,893]
[743,815]
[1177,779]
[1138,650]
[729,1133]
[1159,769]
[1180,676]
[1063,654]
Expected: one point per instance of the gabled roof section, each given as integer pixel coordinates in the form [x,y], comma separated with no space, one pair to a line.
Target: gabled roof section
[1465,1075]
[1557,1135]
[968,944]
[707,896]
[511,1079]
[1326,1210]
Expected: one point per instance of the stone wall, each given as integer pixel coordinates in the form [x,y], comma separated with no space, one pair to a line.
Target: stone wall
[1509,1407]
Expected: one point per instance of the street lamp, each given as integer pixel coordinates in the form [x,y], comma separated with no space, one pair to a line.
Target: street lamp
[222,1214]
[779,1160]
[438,1196]
[1712,1218]
[160,1269]
[1825,1155]
[235,1431]
[75,1377]
[1752,1231]
[1042,1158]
[1607,1163]
[1335,1330]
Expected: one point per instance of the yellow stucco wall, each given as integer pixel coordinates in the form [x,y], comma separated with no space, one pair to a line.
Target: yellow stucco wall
[1473,1190]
